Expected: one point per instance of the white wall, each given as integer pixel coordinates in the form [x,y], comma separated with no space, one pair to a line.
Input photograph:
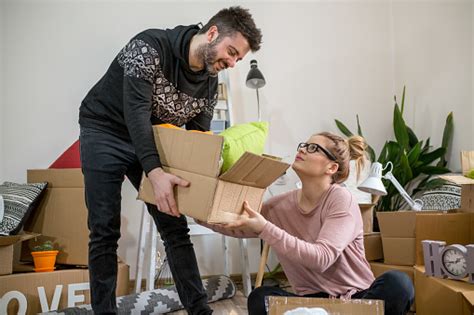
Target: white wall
[322,60]
[2,36]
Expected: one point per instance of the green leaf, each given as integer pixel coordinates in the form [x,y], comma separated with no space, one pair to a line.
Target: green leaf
[343,128]
[383,154]
[434,170]
[359,130]
[406,173]
[403,100]
[400,128]
[371,153]
[447,137]
[414,154]
[434,183]
[412,138]
[433,155]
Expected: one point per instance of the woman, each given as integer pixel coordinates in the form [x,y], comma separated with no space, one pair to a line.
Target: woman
[317,233]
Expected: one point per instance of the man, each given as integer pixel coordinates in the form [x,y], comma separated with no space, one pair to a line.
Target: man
[160,76]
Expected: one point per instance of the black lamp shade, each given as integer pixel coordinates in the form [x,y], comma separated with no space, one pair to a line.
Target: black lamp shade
[255,79]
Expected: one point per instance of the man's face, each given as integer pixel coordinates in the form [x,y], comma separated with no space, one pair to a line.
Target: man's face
[223,52]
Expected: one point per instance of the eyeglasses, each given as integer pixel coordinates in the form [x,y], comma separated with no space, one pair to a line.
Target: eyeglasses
[314,147]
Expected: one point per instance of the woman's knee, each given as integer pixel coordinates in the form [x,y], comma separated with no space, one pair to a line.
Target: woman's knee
[399,282]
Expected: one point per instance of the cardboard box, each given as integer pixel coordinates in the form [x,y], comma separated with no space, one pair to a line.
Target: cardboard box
[70,288]
[61,216]
[367,212]
[467,184]
[6,250]
[379,268]
[399,250]
[467,190]
[210,197]
[403,231]
[452,228]
[436,296]
[398,236]
[373,246]
[280,304]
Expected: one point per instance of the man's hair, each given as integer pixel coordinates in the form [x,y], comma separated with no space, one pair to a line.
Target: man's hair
[236,19]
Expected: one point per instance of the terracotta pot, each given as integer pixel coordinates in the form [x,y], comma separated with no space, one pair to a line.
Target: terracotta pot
[44,260]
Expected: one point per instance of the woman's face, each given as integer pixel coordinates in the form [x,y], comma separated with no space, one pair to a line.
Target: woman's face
[317,163]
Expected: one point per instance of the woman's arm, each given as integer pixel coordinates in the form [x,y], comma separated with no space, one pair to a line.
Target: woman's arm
[336,234]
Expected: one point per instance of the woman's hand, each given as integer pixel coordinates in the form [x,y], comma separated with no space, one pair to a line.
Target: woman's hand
[250,220]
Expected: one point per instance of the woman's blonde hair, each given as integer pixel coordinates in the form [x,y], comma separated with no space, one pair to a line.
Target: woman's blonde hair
[345,150]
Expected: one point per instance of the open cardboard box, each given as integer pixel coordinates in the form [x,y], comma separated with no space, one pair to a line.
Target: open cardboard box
[211,197]
[61,216]
[278,305]
[467,184]
[435,296]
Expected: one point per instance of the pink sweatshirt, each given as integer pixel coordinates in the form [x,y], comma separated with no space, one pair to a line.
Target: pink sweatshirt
[319,251]
[323,250]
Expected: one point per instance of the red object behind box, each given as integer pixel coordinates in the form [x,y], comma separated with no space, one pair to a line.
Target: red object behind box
[69,159]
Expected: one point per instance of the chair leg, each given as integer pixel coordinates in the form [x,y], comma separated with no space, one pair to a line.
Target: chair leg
[261,267]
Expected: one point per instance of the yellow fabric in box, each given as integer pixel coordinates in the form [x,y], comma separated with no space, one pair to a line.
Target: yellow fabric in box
[241,138]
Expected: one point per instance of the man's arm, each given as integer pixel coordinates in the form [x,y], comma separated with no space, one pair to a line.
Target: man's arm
[140,62]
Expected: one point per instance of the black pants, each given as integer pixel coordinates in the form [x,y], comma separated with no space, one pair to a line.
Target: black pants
[106,160]
[393,287]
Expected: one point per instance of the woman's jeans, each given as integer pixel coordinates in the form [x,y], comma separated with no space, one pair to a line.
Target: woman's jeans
[393,287]
[106,160]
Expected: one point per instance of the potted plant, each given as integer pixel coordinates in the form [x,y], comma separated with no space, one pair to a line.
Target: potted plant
[415,162]
[44,256]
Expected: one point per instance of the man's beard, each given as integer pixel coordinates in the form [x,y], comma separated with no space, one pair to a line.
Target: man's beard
[208,54]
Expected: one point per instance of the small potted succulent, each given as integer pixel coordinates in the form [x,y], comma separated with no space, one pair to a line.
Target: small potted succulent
[44,257]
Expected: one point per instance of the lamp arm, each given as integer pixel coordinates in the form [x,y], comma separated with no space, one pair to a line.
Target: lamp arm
[416,204]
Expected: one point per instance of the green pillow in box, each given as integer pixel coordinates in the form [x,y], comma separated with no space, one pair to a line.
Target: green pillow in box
[241,138]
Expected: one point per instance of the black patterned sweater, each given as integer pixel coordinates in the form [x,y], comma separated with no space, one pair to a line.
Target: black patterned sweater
[149,82]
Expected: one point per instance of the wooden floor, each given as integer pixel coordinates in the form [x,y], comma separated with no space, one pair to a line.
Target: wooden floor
[235,306]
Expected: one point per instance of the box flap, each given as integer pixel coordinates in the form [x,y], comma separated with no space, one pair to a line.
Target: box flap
[255,170]
[458,179]
[65,178]
[397,223]
[12,239]
[188,151]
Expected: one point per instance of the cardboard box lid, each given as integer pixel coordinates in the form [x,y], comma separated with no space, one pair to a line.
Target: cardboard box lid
[193,152]
[255,171]
[65,178]
[12,239]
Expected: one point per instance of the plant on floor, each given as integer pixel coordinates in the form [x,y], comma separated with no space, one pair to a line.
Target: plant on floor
[415,161]
[44,256]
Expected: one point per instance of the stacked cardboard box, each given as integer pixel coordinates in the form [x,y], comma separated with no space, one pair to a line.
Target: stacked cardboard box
[61,216]
[211,197]
[373,246]
[36,292]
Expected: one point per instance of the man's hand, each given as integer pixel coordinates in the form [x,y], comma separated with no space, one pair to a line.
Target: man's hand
[163,184]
